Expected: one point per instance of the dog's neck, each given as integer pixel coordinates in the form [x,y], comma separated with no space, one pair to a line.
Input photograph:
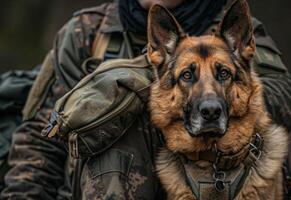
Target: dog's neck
[227,161]
[262,168]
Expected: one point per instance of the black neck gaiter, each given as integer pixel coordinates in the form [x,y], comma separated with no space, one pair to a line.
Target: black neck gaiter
[194,15]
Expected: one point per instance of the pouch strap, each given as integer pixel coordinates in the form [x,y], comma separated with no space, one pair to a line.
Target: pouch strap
[100,45]
[76,188]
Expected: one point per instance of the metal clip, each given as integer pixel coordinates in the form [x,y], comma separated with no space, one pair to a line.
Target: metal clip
[255,151]
[258,141]
[256,147]
[219,178]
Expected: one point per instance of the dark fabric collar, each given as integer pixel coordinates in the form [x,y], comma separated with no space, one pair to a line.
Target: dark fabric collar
[195,16]
[236,169]
[228,161]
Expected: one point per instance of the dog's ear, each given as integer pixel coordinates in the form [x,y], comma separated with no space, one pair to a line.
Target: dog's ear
[237,30]
[164,33]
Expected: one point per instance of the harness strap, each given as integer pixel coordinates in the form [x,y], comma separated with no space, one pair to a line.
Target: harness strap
[232,178]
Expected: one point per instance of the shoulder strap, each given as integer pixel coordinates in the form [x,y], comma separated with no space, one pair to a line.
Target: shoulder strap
[100,43]
[40,88]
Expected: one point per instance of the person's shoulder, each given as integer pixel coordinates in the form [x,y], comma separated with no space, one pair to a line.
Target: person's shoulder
[267,57]
[89,16]
[101,9]
[88,20]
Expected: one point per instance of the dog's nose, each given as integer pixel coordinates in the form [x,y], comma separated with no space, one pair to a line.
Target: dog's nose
[210,109]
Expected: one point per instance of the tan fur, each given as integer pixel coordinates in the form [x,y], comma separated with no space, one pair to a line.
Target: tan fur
[170,171]
[247,113]
[245,100]
[264,182]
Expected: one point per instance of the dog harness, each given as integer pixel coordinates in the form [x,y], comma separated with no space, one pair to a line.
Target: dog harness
[225,176]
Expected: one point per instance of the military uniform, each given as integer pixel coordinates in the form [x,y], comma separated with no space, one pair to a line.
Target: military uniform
[124,168]
[14,88]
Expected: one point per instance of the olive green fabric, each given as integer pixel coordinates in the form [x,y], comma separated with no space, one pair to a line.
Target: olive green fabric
[40,88]
[267,61]
[14,88]
[112,94]
[74,42]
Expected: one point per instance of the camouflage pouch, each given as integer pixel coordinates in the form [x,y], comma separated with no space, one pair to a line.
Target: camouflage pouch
[101,107]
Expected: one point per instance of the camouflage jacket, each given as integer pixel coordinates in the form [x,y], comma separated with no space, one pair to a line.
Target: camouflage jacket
[41,167]
[14,88]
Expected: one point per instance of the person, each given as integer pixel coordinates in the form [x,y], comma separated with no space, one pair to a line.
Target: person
[42,168]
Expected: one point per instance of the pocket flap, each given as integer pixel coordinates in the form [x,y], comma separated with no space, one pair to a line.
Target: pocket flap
[113,160]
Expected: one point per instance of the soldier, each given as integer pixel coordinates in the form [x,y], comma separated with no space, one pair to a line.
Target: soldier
[41,167]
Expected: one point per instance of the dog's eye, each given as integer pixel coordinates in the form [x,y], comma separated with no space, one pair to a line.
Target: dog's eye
[224,74]
[187,76]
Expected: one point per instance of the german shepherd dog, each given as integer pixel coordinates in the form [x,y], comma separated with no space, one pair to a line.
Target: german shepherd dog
[207,102]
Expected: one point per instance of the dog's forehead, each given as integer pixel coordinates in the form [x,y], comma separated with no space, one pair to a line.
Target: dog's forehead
[204,48]
[210,40]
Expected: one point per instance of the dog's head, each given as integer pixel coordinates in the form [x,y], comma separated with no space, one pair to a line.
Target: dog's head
[203,84]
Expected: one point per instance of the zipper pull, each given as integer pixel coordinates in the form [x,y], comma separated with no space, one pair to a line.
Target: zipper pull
[53,127]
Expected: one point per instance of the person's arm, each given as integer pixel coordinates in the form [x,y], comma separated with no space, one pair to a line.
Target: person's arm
[274,76]
[38,163]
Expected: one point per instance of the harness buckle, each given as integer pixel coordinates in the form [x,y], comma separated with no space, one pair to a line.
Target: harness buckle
[256,146]
[255,152]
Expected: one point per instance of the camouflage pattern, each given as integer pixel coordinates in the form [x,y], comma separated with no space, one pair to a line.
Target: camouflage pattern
[126,170]
[42,169]
[37,163]
[14,88]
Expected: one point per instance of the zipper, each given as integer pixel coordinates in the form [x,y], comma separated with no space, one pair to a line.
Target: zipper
[109,116]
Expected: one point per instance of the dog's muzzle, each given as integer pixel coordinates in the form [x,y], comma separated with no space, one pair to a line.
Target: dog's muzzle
[207,118]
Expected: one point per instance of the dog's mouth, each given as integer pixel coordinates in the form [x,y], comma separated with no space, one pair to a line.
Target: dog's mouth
[196,128]
[211,130]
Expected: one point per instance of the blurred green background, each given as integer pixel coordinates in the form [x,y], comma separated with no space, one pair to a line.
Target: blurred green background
[28,27]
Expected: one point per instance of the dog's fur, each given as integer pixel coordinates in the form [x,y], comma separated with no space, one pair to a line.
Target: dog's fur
[174,97]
